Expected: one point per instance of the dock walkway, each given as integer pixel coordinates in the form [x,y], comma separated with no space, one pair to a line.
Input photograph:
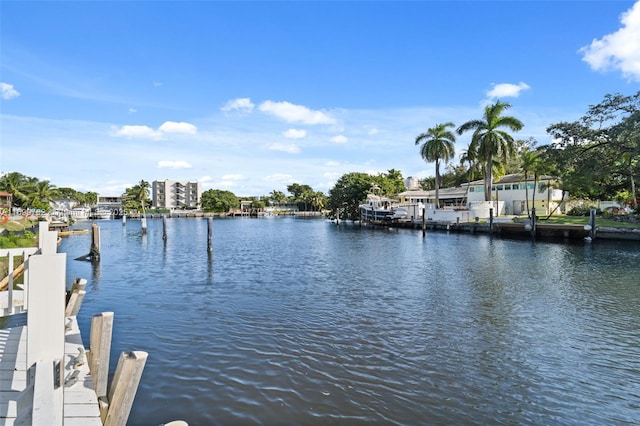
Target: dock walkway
[47,376]
[80,403]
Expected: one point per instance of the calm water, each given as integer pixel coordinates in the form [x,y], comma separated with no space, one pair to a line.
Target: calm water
[302,322]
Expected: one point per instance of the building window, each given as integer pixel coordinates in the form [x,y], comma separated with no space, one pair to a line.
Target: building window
[514,186]
[472,189]
[507,187]
[500,187]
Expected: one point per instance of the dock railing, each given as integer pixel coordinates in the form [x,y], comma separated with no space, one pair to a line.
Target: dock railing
[61,383]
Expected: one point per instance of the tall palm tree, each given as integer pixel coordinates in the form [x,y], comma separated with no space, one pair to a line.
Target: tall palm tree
[143,193]
[437,145]
[470,157]
[529,163]
[489,141]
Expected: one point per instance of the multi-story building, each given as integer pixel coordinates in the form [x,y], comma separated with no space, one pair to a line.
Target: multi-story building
[174,194]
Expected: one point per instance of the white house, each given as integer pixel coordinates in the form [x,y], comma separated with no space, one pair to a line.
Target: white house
[509,196]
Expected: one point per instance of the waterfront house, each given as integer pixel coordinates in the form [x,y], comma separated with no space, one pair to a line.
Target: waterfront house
[509,196]
[6,200]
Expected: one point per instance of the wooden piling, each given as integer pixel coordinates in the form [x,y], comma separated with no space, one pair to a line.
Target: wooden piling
[99,350]
[491,220]
[124,219]
[94,253]
[424,221]
[164,227]
[209,234]
[592,223]
[533,222]
[143,220]
[124,386]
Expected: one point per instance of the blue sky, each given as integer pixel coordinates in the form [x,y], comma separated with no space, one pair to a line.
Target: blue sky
[253,96]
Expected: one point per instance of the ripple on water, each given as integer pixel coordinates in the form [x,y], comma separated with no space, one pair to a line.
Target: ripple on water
[301,322]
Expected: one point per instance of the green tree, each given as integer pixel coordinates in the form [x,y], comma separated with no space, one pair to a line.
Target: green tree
[19,186]
[599,154]
[42,193]
[347,194]
[136,197]
[221,201]
[437,145]
[278,197]
[529,163]
[318,201]
[489,141]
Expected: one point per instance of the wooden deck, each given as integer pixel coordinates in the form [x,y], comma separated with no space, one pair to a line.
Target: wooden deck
[80,401]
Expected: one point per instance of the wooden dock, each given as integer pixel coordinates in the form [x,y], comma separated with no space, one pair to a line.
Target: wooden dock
[47,376]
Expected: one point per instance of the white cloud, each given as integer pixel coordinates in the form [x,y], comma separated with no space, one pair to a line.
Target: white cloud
[178,127]
[338,139]
[239,104]
[226,184]
[138,132]
[157,83]
[232,177]
[332,163]
[289,148]
[8,91]
[373,131]
[619,50]
[146,132]
[507,90]
[332,175]
[279,178]
[167,164]
[132,110]
[295,113]
[295,133]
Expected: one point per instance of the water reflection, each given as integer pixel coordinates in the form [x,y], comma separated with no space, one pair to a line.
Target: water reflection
[302,322]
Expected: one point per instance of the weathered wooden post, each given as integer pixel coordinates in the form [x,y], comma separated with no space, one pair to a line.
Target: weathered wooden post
[94,253]
[491,220]
[592,223]
[99,350]
[76,296]
[143,220]
[124,219]
[424,221]
[209,234]
[124,386]
[164,227]
[533,222]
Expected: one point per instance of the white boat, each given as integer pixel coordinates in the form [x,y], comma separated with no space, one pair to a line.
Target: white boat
[79,213]
[380,208]
[100,213]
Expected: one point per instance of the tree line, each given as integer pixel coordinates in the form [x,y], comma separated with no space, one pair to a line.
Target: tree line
[594,157]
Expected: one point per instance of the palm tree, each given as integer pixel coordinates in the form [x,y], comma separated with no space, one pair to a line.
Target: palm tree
[42,193]
[489,141]
[17,185]
[471,157]
[437,144]
[143,193]
[529,163]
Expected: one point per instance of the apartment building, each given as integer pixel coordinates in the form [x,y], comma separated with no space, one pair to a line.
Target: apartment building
[175,194]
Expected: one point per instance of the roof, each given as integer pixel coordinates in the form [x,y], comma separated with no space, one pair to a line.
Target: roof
[515,178]
[5,194]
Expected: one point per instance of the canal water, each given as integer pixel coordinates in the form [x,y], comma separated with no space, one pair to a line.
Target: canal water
[301,322]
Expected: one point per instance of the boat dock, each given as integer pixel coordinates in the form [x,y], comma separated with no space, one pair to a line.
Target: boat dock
[47,376]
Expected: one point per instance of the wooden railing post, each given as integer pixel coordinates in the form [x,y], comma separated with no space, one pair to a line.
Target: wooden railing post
[99,350]
[45,335]
[124,386]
